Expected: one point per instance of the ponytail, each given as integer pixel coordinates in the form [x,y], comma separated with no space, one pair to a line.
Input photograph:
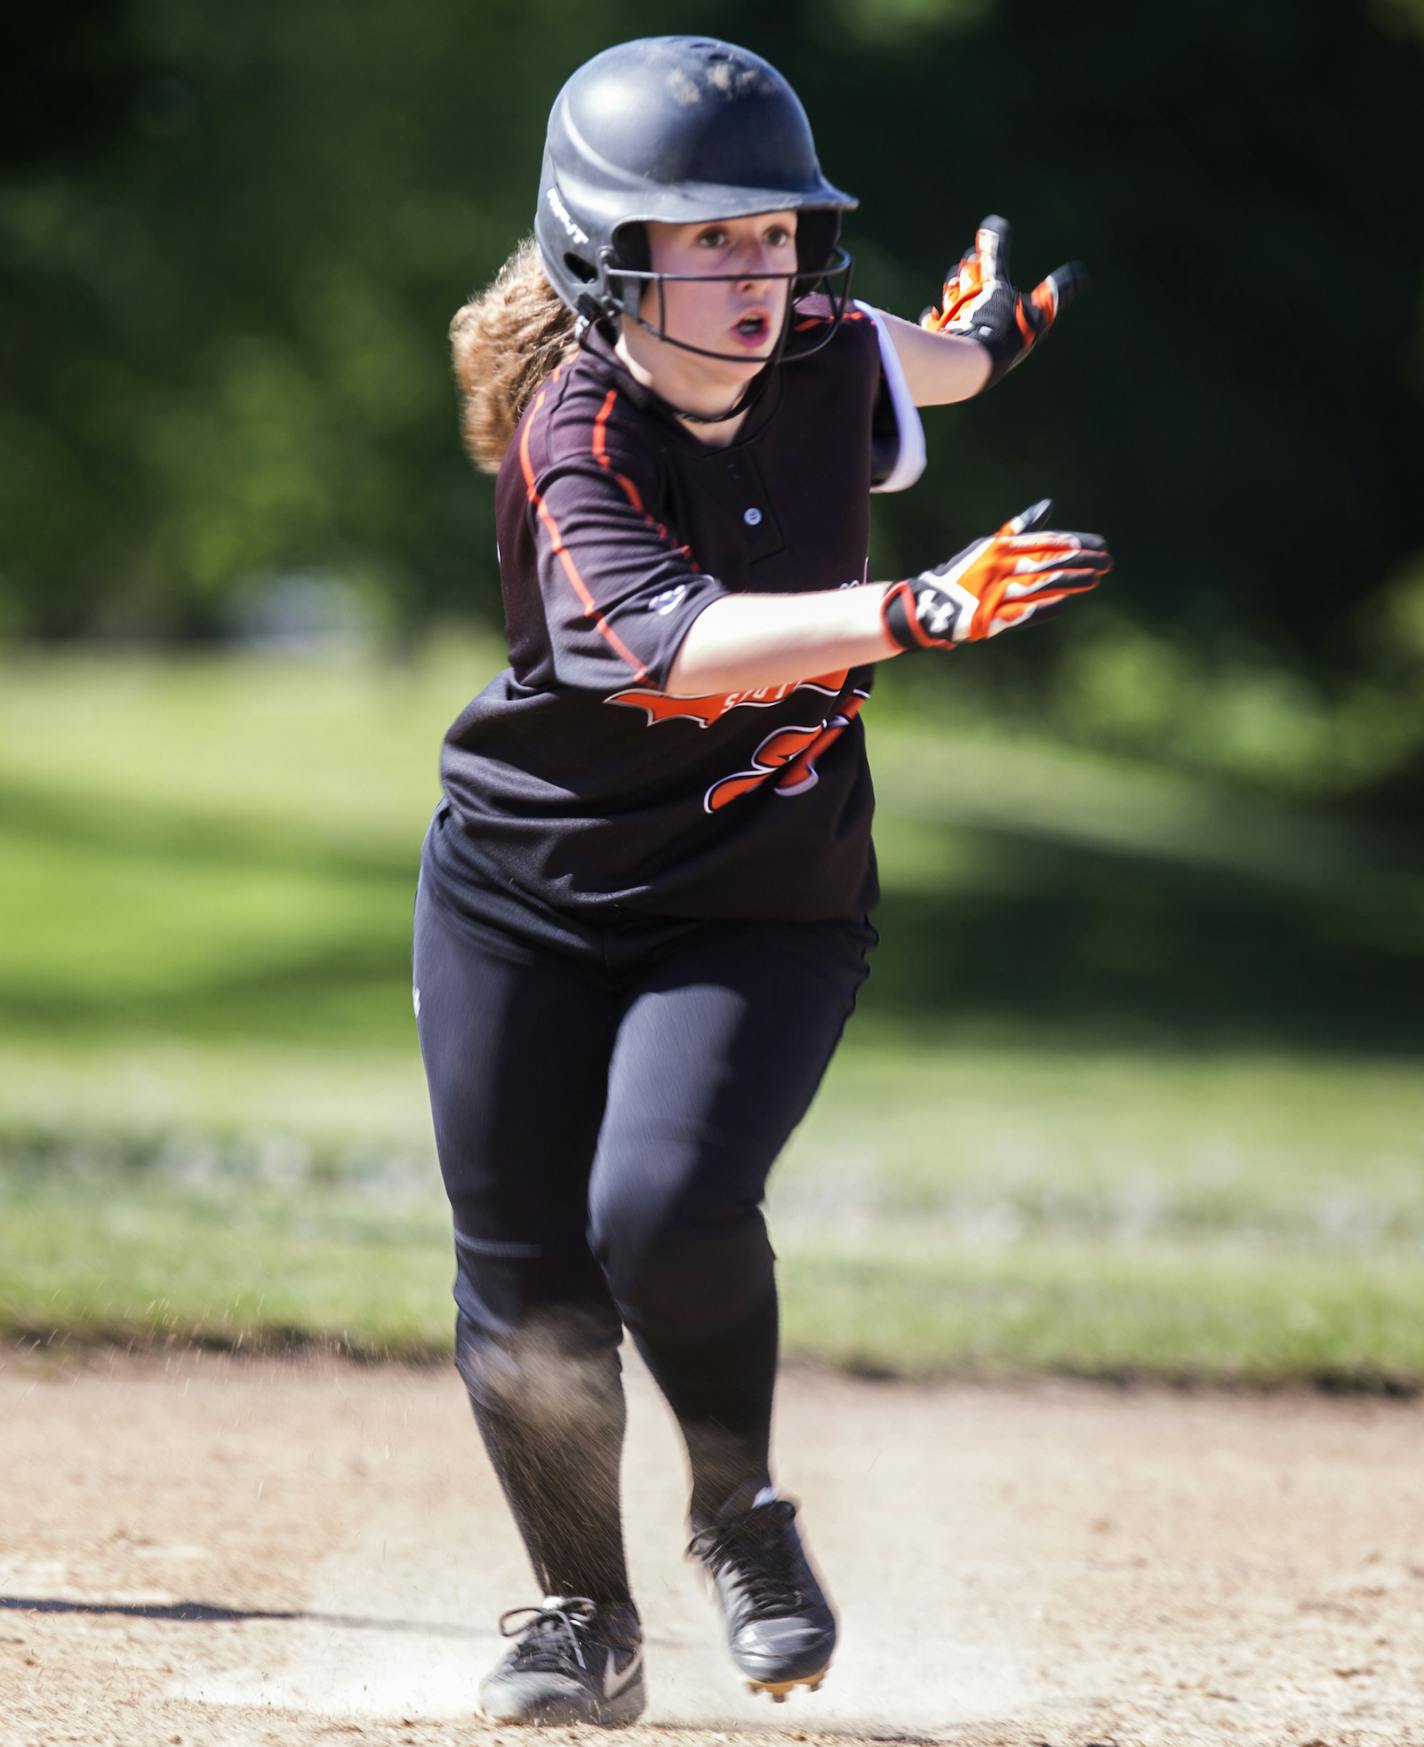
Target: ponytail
[506,343]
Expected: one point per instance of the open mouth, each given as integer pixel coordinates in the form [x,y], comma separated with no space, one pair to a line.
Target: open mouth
[754,329]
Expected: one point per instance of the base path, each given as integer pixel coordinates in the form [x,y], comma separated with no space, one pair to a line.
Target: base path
[212,1550]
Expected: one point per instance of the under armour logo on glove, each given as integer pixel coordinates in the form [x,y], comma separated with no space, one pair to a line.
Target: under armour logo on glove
[936,612]
[980,303]
[1024,571]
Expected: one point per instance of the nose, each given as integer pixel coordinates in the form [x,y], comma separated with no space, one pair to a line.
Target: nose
[755,262]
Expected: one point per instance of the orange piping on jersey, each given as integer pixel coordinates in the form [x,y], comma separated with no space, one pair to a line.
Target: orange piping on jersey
[565,557]
[600,452]
[630,491]
[821,321]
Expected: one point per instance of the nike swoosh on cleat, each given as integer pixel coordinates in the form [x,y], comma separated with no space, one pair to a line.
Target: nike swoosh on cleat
[613,1681]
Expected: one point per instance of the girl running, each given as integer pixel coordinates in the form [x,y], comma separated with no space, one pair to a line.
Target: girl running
[643,911]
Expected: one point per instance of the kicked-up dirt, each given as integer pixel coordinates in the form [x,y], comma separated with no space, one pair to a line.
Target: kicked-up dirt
[212,1550]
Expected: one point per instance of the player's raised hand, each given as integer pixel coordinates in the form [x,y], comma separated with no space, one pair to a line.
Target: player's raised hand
[980,301]
[1023,572]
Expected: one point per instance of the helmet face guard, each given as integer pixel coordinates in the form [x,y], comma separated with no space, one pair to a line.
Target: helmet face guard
[680,130]
[835,276]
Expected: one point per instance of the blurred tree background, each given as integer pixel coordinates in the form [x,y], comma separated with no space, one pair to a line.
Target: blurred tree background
[233,243]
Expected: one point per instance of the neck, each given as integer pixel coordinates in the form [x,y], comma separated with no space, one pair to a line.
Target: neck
[702,405]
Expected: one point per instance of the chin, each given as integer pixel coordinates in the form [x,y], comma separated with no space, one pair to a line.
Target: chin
[753,361]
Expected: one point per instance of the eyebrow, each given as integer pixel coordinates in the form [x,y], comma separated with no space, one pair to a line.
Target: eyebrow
[781,222]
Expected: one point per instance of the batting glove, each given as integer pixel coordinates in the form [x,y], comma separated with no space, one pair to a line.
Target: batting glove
[980,302]
[1023,572]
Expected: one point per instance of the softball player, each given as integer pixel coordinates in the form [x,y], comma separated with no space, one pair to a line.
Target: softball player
[643,912]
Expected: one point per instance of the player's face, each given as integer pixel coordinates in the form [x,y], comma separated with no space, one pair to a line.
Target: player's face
[739,316]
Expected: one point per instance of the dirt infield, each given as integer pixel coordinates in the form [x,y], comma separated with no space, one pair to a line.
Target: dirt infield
[211,1551]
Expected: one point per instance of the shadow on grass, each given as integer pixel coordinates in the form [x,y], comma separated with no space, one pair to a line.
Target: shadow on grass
[354,990]
[1081,947]
[1048,943]
[149,831]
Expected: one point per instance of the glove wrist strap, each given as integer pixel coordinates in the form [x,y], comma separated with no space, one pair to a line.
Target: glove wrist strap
[1007,344]
[920,615]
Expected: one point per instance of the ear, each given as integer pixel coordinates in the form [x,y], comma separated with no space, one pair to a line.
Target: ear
[630,248]
[817,234]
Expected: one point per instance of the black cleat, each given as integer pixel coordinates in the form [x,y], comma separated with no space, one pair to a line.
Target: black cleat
[780,1628]
[573,1662]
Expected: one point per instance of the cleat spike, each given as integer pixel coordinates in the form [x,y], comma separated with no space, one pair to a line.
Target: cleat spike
[778,1691]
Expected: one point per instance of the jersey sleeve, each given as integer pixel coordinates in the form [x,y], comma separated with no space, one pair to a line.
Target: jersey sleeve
[896,435]
[619,591]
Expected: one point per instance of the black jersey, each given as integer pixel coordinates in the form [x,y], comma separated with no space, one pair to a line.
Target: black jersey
[573,779]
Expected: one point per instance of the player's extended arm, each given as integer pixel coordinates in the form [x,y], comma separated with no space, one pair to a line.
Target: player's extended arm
[1023,571]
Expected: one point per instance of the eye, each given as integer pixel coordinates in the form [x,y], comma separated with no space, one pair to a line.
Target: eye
[714,237]
[777,236]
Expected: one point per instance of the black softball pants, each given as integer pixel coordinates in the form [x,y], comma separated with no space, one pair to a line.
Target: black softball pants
[605,1123]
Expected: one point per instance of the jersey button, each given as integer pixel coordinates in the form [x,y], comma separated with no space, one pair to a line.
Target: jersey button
[752,517]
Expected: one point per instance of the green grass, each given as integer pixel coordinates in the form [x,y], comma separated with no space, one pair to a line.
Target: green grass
[1220,1312]
[94,1256]
[192,1249]
[1134,1086]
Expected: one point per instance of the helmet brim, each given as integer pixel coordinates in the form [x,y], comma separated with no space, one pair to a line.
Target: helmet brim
[700,202]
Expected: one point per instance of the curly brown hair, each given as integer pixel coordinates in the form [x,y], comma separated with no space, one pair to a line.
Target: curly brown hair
[506,342]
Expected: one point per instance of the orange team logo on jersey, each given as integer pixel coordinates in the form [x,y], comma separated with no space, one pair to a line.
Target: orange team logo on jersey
[705,711]
[787,754]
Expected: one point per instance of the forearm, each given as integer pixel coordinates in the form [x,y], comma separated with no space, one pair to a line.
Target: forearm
[939,368]
[1022,572]
[745,641]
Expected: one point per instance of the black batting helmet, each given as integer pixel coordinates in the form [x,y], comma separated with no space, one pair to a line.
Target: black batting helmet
[679,129]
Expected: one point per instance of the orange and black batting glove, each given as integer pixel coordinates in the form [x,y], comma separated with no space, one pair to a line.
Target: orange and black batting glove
[1023,572]
[980,302]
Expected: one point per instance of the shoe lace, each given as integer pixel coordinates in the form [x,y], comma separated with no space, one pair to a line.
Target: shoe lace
[549,1642]
[753,1547]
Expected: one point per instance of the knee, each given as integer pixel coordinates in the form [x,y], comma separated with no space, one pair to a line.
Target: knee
[482,1357]
[546,1364]
[685,1274]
